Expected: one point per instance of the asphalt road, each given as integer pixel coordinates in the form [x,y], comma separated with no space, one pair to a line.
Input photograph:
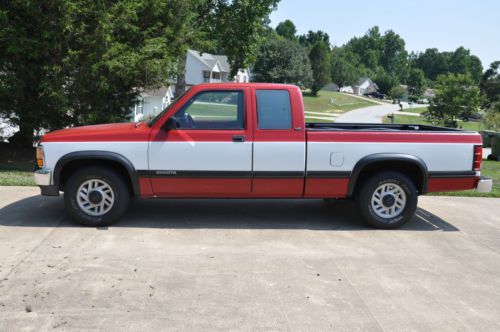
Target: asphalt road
[249,265]
[371,114]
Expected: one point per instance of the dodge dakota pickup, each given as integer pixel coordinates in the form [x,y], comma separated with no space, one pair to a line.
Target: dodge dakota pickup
[251,140]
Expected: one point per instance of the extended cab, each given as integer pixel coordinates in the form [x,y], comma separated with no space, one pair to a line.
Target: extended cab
[251,141]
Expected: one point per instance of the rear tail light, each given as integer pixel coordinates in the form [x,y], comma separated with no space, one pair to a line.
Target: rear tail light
[478,157]
[40,160]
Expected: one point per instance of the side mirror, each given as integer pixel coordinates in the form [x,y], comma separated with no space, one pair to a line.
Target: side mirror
[171,124]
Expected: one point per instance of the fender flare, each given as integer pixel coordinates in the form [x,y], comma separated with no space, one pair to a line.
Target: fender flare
[97,155]
[387,157]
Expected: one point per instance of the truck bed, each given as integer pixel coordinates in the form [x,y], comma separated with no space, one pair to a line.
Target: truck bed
[313,126]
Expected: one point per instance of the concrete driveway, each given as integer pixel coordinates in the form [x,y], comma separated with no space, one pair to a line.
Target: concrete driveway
[249,265]
[372,114]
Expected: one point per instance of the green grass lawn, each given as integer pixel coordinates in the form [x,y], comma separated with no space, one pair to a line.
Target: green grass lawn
[219,112]
[16,174]
[490,169]
[416,109]
[341,104]
[409,119]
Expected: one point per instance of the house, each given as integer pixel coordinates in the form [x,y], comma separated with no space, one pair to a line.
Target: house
[429,93]
[210,68]
[365,86]
[200,68]
[152,102]
[347,89]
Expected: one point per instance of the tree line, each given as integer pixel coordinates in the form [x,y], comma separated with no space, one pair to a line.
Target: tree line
[309,60]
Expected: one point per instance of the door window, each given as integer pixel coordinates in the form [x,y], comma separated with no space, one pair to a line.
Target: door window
[212,110]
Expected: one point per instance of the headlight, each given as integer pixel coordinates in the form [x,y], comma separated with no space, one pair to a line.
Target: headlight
[40,158]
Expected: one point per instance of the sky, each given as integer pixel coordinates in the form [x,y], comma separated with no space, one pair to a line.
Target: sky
[441,24]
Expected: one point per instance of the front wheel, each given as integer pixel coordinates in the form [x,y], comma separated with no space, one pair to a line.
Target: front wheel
[387,200]
[96,196]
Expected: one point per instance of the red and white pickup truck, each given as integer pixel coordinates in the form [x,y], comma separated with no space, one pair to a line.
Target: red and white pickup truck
[251,141]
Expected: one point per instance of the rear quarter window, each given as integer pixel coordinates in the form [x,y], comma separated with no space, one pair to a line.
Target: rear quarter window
[273,109]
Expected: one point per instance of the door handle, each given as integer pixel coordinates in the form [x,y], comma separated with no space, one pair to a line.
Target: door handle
[238,138]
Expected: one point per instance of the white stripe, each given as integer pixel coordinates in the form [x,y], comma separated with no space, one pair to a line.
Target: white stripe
[135,152]
[437,156]
[201,156]
[279,156]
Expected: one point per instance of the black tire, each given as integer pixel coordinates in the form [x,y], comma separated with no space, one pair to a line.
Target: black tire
[121,195]
[367,191]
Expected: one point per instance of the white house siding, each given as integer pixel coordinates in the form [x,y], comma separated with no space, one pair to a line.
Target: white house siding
[194,70]
[347,89]
[242,76]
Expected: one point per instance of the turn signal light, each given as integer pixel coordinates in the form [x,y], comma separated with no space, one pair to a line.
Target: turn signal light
[478,157]
[39,157]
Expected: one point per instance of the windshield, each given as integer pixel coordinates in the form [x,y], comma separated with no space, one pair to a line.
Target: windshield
[158,117]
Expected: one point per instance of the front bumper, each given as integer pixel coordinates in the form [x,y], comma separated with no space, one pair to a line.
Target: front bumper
[484,185]
[42,179]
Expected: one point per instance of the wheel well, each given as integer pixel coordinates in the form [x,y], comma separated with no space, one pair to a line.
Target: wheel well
[408,168]
[72,166]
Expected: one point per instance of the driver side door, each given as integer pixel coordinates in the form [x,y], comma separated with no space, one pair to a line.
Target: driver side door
[209,154]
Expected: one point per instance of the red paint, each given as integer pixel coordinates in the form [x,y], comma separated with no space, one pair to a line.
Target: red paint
[278,187]
[196,187]
[145,188]
[326,188]
[114,132]
[393,137]
[451,184]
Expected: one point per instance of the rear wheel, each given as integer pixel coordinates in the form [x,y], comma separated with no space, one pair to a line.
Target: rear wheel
[387,200]
[96,196]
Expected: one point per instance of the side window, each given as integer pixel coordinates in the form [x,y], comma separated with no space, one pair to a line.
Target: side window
[273,109]
[213,110]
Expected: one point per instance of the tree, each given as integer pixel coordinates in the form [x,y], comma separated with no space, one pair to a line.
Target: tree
[416,82]
[287,30]
[234,27]
[320,62]
[119,48]
[457,96]
[313,37]
[490,84]
[344,72]
[397,92]
[280,60]
[432,63]
[461,61]
[385,81]
[33,45]
[394,57]
[492,119]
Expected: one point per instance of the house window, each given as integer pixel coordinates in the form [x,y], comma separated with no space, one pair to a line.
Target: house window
[206,74]
[216,76]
